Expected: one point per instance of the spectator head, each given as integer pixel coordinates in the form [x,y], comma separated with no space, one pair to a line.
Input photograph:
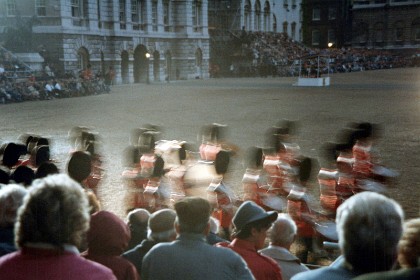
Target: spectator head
[193,214]
[4,175]
[11,154]
[55,211]
[45,169]
[79,166]
[251,219]
[138,217]
[11,198]
[137,221]
[283,231]
[409,245]
[23,175]
[40,154]
[369,226]
[108,234]
[161,225]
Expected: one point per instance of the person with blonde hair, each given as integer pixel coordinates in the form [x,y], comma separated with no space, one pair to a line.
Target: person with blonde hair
[50,226]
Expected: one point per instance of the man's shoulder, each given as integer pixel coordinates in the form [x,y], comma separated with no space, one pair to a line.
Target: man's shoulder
[279,254]
[326,273]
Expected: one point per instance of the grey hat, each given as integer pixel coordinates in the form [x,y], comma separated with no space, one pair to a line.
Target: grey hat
[250,212]
[162,220]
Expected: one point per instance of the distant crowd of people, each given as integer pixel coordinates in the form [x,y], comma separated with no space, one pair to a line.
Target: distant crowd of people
[48,86]
[276,54]
[184,222]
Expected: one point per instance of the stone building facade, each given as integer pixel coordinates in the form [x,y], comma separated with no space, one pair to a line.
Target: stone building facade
[143,40]
[326,23]
[257,15]
[386,24]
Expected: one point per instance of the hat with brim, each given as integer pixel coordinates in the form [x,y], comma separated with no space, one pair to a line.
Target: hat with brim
[250,212]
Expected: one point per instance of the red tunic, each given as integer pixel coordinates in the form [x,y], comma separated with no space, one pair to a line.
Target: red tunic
[262,267]
[327,180]
[299,211]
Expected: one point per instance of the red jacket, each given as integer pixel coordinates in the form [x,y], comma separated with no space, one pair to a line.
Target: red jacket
[262,267]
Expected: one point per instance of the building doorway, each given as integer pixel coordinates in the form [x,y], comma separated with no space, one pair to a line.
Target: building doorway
[141,65]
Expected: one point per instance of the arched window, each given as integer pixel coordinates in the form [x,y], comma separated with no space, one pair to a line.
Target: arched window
[197,15]
[399,31]
[361,33]
[247,15]
[41,8]
[198,62]
[122,15]
[82,58]
[316,37]
[79,12]
[267,16]
[285,25]
[135,14]
[293,30]
[415,30]
[257,17]
[274,23]
[378,32]
[167,15]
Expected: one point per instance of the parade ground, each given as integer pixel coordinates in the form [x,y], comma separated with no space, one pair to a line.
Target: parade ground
[249,106]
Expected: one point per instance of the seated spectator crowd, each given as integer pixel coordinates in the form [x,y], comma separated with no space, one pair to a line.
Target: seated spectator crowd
[276,54]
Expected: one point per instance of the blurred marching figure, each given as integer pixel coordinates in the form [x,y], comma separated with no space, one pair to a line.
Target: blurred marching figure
[139,160]
[253,185]
[346,182]
[220,196]
[18,165]
[79,168]
[312,225]
[84,140]
[156,191]
[213,140]
[200,174]
[369,173]
[327,179]
[299,210]
[280,162]
[177,158]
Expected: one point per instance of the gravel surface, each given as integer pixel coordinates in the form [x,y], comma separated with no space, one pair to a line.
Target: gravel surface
[248,106]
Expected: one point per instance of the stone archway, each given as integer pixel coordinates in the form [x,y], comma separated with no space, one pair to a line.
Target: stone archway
[103,70]
[141,65]
[168,61]
[199,63]
[124,67]
[83,58]
[156,66]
